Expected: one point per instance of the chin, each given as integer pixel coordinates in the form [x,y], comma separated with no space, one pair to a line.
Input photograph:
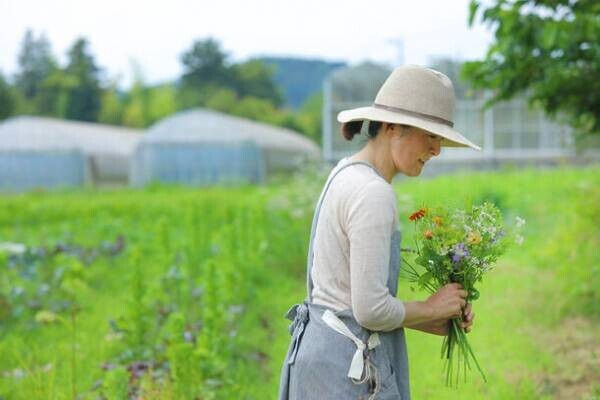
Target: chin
[417,171]
[413,174]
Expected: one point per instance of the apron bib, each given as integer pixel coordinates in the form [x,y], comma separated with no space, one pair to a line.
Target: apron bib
[331,356]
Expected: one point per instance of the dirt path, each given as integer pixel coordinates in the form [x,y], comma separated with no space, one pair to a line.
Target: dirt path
[576,344]
[573,342]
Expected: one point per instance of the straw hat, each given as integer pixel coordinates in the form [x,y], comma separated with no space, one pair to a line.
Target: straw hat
[415,96]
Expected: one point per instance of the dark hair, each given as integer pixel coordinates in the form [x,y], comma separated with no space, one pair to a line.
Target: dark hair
[349,129]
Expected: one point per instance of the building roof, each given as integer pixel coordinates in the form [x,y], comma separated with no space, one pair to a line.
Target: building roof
[202,125]
[31,133]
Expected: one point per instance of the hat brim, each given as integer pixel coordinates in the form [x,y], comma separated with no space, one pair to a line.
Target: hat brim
[451,137]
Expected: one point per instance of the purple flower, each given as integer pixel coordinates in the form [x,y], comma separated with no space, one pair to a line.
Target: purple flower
[498,236]
[459,251]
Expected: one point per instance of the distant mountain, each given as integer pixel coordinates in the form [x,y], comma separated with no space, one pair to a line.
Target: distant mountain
[300,78]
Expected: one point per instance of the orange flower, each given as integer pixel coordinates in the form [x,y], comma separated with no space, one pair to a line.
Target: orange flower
[428,234]
[417,215]
[437,220]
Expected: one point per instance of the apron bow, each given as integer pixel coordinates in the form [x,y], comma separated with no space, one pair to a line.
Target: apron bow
[298,314]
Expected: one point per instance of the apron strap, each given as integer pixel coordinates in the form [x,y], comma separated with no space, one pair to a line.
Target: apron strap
[309,262]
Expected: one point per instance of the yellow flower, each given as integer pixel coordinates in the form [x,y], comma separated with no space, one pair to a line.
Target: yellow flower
[474,237]
[437,220]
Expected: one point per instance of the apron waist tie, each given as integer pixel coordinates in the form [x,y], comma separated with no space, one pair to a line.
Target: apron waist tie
[360,359]
[298,314]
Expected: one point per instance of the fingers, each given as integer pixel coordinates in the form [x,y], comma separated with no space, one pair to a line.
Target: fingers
[458,287]
[455,285]
[467,309]
[467,323]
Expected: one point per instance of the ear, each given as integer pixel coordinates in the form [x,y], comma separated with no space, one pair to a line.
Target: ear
[388,128]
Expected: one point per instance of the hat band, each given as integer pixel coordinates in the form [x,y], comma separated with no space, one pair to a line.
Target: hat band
[415,114]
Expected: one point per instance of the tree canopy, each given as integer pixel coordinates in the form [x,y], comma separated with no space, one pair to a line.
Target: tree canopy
[207,70]
[84,94]
[547,49]
[7,101]
[36,64]
[78,89]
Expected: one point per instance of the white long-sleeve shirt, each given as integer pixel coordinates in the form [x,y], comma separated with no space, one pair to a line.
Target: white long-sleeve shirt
[352,248]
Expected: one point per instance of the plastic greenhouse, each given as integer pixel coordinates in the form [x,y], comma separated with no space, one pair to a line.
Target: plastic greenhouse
[203,147]
[47,152]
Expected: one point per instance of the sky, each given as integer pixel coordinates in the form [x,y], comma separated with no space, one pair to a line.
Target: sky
[153,34]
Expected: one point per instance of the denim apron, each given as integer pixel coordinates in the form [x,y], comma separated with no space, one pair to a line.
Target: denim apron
[320,359]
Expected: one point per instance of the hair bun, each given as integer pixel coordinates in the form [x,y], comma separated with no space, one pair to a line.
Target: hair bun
[349,129]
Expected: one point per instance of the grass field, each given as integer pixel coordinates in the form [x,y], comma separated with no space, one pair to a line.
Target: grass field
[179,293]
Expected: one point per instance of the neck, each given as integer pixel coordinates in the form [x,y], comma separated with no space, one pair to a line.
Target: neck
[376,155]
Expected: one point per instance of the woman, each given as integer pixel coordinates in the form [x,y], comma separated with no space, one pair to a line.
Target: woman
[348,336]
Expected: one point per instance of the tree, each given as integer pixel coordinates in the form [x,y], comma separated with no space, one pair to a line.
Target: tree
[254,78]
[224,100]
[85,97]
[256,109]
[136,107]
[111,108]
[162,102]
[549,49]
[54,96]
[36,64]
[205,63]
[310,117]
[205,71]
[7,100]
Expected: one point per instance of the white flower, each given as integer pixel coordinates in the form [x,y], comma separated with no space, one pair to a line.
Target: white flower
[18,373]
[297,213]
[520,222]
[13,248]
[519,239]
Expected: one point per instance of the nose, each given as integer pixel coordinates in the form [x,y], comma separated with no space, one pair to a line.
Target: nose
[435,147]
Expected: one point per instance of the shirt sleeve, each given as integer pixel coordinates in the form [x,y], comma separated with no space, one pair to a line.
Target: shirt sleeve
[370,221]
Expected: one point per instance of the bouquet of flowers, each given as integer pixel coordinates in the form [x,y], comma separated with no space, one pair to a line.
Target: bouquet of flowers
[457,246]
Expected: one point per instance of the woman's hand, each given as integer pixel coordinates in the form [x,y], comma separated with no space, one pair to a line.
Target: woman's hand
[448,302]
[434,314]
[440,327]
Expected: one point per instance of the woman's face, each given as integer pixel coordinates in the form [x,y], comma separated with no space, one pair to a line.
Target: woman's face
[411,148]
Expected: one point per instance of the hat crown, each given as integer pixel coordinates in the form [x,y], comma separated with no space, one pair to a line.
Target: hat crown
[418,89]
